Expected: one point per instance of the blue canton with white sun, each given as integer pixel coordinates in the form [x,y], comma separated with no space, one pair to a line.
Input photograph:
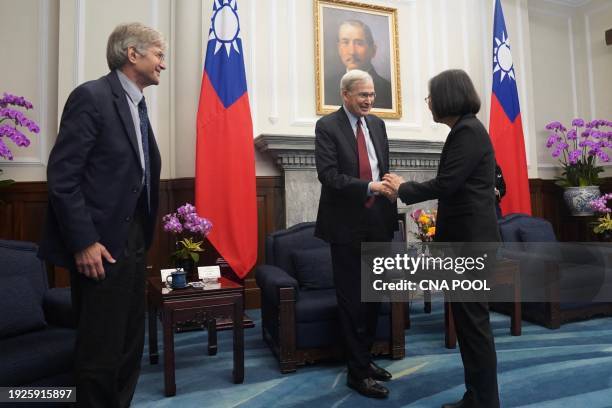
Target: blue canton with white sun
[224,63]
[504,78]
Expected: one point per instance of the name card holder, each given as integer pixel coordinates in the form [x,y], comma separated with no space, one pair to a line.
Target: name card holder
[165,273]
[209,273]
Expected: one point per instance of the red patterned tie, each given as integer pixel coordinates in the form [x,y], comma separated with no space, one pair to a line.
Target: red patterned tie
[365,171]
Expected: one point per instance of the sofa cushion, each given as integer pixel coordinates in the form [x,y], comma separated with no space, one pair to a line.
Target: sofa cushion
[539,239]
[32,357]
[313,268]
[537,233]
[21,307]
[316,305]
[57,305]
[322,333]
[508,227]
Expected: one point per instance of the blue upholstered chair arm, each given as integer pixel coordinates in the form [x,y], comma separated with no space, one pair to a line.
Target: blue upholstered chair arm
[57,305]
[270,278]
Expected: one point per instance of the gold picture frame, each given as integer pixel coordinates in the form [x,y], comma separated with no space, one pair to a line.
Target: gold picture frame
[369,41]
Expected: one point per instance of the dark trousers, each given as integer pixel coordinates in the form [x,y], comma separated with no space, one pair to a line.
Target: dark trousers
[478,353]
[358,320]
[110,334]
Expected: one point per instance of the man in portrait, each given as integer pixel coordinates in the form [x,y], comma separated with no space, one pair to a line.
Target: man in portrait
[356,49]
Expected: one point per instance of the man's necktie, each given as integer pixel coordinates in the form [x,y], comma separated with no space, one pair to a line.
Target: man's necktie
[144,133]
[365,171]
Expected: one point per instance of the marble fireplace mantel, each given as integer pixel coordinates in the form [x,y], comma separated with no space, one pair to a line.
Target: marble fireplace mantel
[294,154]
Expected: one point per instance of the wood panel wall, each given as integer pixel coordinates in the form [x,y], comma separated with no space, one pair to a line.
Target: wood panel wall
[22,216]
[23,212]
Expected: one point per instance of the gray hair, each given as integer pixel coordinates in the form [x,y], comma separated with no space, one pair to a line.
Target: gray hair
[128,35]
[354,75]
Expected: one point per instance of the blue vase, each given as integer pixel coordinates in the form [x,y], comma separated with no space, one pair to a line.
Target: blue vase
[578,199]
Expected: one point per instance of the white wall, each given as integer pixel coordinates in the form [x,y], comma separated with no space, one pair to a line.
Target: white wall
[50,46]
[571,67]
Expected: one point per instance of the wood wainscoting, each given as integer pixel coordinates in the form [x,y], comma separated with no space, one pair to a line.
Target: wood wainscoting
[547,202]
[22,216]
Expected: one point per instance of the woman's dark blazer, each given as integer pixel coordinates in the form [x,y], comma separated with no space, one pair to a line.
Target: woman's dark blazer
[464,186]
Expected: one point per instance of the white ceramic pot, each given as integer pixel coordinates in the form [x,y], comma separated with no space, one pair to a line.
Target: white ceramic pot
[578,199]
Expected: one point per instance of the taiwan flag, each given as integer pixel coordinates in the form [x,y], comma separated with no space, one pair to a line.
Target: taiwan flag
[505,124]
[225,157]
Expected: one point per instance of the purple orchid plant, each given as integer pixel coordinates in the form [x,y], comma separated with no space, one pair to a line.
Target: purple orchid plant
[186,221]
[578,150]
[14,119]
[603,224]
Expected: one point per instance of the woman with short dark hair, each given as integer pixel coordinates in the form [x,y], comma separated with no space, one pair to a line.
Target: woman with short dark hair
[464,188]
[451,93]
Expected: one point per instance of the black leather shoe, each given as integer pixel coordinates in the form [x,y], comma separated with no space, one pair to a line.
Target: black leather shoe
[457,404]
[367,387]
[379,373]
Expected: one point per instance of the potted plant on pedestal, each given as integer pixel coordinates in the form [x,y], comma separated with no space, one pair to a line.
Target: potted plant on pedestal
[578,150]
[186,223]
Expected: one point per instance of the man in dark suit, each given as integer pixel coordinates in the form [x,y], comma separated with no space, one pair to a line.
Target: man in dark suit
[464,188]
[103,180]
[352,154]
[356,49]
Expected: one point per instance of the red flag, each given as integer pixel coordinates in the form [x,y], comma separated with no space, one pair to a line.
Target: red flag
[505,124]
[225,159]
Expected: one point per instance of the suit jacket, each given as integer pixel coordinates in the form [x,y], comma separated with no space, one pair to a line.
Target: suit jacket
[463,186]
[94,175]
[382,87]
[342,208]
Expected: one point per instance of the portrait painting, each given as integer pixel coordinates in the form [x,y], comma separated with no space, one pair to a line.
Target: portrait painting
[349,36]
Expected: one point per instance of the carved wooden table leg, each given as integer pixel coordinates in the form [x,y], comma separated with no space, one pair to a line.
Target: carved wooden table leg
[169,382]
[212,336]
[450,335]
[238,342]
[153,353]
[515,324]
[427,301]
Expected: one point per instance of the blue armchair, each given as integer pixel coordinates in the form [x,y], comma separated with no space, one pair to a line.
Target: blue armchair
[570,272]
[37,332]
[298,302]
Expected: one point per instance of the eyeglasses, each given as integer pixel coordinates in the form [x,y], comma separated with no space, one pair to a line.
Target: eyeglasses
[160,56]
[366,95]
[428,99]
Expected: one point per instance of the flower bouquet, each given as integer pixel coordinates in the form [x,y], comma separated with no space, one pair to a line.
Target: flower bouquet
[186,223]
[425,221]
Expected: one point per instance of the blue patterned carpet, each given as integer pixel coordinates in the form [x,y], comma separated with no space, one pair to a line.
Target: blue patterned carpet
[568,367]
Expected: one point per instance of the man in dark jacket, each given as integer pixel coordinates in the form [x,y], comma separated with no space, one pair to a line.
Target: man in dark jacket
[352,155]
[103,181]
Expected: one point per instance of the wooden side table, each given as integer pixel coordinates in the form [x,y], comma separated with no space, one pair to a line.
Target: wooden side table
[197,306]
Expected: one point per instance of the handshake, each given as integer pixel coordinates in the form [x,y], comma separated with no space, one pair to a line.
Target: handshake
[388,186]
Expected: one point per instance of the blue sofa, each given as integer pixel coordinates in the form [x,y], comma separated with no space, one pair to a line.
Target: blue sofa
[570,273]
[298,302]
[37,332]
